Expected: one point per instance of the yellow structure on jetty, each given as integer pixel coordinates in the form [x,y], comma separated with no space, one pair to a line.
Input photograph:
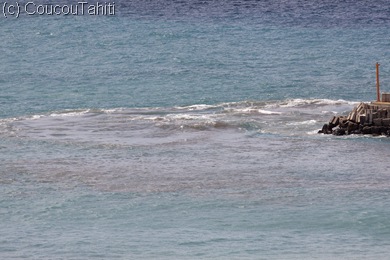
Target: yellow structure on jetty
[385,96]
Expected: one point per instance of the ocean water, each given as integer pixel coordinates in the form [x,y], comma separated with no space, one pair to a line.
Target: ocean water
[188,130]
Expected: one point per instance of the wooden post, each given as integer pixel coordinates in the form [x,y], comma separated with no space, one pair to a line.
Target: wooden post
[378,95]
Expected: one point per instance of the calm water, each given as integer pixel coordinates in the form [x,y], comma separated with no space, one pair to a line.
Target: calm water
[188,130]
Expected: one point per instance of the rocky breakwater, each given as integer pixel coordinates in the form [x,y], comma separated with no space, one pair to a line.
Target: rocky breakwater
[366,119]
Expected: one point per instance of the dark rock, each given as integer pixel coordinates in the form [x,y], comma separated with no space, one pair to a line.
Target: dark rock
[339,131]
[343,122]
[383,130]
[376,130]
[326,129]
[356,132]
[352,127]
[367,130]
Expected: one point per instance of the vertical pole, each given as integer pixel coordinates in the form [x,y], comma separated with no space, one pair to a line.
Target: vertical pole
[378,97]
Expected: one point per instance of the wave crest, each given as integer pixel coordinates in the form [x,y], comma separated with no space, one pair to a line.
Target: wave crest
[266,116]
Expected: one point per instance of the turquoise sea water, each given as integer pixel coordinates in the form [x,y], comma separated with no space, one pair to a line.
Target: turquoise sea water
[188,130]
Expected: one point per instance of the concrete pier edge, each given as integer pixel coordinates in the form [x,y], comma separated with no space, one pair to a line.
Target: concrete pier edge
[366,119]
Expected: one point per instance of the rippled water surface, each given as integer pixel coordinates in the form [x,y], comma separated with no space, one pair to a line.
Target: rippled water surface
[188,130]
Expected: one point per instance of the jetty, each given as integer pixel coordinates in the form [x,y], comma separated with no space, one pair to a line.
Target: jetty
[366,118]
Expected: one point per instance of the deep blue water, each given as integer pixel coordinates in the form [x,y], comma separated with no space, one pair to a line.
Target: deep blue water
[187,130]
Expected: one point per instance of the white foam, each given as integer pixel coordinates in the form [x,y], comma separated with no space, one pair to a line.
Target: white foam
[329,112]
[307,122]
[8,120]
[313,132]
[188,116]
[252,110]
[195,107]
[66,113]
[109,111]
[37,116]
[267,112]
[302,102]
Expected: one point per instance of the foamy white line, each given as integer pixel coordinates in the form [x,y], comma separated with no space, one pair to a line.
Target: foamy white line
[252,110]
[329,112]
[313,132]
[188,116]
[307,122]
[8,120]
[195,107]
[37,116]
[267,112]
[301,102]
[249,106]
[66,113]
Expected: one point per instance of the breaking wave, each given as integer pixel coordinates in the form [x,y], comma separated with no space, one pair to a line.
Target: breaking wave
[311,102]
[301,115]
